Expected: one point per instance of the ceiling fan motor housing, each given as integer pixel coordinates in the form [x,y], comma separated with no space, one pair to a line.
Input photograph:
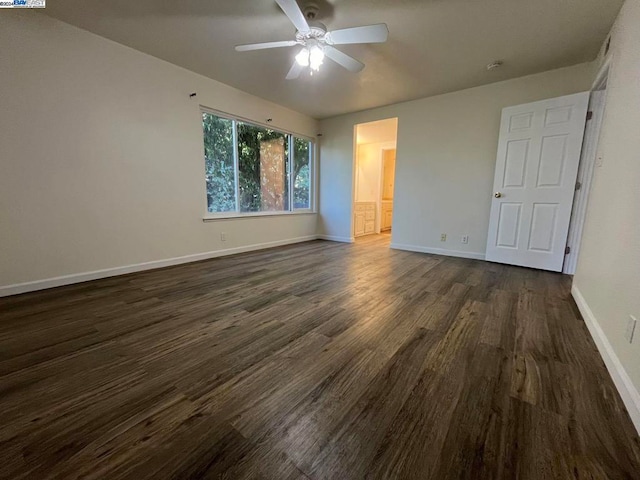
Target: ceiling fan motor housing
[317,31]
[311,11]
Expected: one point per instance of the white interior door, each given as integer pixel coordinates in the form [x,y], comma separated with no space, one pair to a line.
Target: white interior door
[536,169]
[585,175]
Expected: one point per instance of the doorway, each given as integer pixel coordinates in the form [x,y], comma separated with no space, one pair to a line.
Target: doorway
[374,177]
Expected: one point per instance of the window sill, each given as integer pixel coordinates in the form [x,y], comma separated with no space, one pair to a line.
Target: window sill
[235,216]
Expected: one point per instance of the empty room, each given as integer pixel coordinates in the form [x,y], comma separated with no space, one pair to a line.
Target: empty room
[323,239]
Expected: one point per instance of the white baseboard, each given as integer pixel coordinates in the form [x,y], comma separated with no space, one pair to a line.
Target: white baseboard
[628,392]
[138,267]
[333,238]
[438,251]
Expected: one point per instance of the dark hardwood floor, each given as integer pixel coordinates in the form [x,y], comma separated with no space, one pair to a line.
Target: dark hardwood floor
[314,361]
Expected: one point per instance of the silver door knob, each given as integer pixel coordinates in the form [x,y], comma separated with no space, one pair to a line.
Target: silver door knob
[497,195]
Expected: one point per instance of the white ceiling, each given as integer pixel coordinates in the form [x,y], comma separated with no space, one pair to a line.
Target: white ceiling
[435,46]
[381,131]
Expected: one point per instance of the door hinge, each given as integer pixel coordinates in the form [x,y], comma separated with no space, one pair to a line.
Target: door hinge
[589,115]
[567,250]
[578,186]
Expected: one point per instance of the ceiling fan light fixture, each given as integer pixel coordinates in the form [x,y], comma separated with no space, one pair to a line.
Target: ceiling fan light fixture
[316,57]
[303,57]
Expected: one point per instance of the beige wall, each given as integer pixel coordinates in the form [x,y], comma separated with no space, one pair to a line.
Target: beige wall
[445,161]
[608,273]
[101,155]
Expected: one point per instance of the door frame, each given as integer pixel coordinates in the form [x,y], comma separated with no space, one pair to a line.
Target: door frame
[354,183]
[354,174]
[588,163]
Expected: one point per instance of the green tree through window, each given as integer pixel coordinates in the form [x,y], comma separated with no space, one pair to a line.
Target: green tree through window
[263,160]
[260,176]
[219,165]
[301,177]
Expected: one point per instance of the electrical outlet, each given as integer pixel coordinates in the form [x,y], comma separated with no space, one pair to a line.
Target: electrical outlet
[465,239]
[223,236]
[443,237]
[631,328]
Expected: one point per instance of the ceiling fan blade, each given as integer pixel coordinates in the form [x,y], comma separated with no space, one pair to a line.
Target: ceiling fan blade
[367,34]
[295,71]
[292,10]
[262,46]
[343,59]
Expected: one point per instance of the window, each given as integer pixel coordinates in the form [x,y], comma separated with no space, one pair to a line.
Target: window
[249,168]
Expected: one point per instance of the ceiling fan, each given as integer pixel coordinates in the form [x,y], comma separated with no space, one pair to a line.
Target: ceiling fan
[317,42]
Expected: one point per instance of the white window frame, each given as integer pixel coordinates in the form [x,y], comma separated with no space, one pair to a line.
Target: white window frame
[208,216]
